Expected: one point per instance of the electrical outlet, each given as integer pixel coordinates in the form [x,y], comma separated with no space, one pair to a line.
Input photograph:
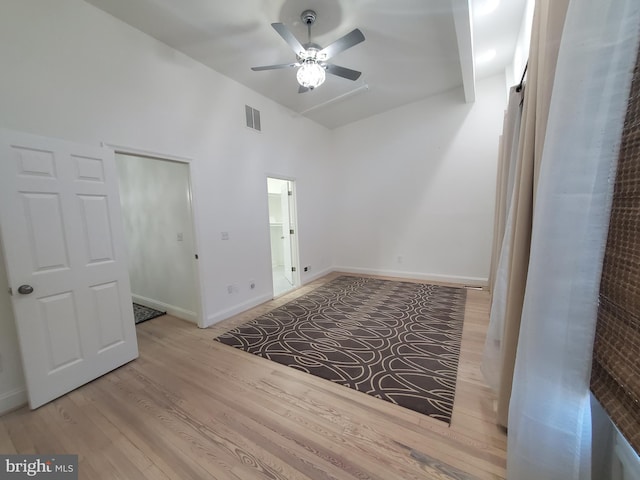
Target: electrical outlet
[307,268]
[252,284]
[229,289]
[179,236]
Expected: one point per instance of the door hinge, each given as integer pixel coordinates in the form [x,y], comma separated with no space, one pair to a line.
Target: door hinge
[293,269]
[290,192]
[291,231]
[11,291]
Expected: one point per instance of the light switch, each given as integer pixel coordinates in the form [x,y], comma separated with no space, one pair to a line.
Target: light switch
[224,235]
[179,236]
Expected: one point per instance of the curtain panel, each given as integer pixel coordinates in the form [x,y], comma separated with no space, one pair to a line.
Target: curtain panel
[549,412]
[503,231]
[513,263]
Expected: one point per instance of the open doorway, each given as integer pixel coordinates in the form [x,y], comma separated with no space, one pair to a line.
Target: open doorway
[283,234]
[156,200]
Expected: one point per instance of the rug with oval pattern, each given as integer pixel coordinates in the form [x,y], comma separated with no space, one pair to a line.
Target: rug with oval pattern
[398,341]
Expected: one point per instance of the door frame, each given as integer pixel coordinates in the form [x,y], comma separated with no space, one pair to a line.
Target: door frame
[198,274]
[293,215]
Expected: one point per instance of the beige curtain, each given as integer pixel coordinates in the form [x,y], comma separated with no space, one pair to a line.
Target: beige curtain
[547,28]
[498,217]
[503,228]
[508,139]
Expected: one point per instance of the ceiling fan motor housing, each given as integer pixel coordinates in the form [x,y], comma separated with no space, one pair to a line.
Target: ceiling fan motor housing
[308,17]
[311,53]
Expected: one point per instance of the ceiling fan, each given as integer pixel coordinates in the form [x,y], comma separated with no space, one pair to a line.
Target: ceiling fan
[312,58]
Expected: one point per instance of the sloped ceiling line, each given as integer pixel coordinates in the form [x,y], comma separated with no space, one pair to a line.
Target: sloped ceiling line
[464,34]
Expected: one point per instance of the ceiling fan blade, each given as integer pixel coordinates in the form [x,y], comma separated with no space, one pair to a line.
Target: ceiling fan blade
[274,67]
[343,72]
[349,40]
[288,37]
[302,89]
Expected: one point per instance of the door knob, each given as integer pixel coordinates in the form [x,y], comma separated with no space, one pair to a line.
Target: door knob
[25,289]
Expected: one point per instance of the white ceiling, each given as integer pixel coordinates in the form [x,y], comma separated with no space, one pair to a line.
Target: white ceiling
[410,52]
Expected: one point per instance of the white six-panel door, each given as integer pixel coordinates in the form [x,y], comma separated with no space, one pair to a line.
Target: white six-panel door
[61,232]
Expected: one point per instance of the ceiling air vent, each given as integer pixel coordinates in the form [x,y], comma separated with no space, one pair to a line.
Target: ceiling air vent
[253,117]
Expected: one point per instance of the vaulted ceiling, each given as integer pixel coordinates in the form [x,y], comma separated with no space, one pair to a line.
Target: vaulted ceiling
[413,48]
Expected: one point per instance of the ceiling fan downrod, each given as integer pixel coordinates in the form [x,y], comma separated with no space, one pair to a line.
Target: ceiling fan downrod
[308,17]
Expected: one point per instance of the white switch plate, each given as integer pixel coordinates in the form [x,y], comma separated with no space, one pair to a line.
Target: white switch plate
[224,235]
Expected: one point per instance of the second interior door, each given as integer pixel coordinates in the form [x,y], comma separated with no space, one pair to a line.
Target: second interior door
[283,234]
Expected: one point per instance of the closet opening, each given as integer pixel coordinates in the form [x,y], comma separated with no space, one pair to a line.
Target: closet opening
[283,234]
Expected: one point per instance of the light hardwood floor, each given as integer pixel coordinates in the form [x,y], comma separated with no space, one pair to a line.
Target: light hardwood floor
[192,408]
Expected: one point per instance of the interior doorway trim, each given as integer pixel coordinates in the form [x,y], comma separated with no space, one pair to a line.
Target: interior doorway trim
[290,254]
[199,277]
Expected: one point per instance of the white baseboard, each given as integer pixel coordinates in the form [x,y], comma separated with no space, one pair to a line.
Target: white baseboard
[236,309]
[254,302]
[164,307]
[13,399]
[314,276]
[433,277]
[230,312]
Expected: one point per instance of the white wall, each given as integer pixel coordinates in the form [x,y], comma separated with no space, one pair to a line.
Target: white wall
[514,71]
[156,208]
[73,72]
[418,182]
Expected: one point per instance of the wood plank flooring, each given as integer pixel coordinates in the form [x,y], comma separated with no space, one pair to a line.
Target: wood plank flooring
[192,408]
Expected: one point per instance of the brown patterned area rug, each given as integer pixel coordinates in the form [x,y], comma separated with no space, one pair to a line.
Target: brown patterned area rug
[398,341]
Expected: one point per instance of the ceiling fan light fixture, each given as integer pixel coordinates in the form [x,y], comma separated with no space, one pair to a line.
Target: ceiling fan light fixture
[311,58]
[311,74]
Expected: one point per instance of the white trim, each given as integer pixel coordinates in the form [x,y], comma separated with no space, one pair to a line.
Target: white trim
[201,314]
[170,309]
[199,270]
[124,150]
[223,315]
[434,277]
[295,244]
[314,276]
[13,399]
[230,312]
